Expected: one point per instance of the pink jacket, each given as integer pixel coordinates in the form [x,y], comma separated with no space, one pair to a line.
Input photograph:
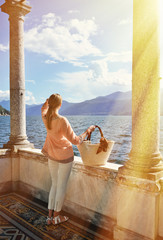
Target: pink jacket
[59,139]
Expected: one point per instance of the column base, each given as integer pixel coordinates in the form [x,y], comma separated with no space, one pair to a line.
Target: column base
[17,147]
[153,175]
[145,167]
[18,142]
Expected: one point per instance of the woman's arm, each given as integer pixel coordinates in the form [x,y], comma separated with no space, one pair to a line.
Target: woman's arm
[71,136]
[44,108]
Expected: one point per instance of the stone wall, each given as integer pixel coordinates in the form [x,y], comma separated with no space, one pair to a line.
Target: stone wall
[93,192]
[160,228]
[5,170]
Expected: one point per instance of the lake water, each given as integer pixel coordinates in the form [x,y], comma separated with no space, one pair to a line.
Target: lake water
[116,128]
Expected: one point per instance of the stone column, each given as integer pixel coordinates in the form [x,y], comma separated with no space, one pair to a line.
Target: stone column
[145,157]
[139,180]
[17,9]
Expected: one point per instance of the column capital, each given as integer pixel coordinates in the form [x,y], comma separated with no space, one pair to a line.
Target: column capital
[15,7]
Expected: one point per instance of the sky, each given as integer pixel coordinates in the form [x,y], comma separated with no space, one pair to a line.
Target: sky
[78,48]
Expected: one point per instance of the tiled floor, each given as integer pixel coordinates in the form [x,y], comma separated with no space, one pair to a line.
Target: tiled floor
[24,219]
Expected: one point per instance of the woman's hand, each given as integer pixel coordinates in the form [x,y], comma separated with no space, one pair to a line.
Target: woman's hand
[91,129]
[46,102]
[45,105]
[88,132]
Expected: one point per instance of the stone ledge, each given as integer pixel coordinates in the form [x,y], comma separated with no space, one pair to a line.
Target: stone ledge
[105,172]
[108,165]
[31,150]
[108,171]
[140,183]
[4,153]
[36,154]
[77,160]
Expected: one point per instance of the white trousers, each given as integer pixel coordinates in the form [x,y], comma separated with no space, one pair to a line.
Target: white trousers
[60,173]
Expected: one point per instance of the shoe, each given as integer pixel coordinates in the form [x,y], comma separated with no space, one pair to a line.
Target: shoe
[49,220]
[59,219]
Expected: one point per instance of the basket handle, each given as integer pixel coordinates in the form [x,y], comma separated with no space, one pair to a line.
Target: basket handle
[96,126]
[103,146]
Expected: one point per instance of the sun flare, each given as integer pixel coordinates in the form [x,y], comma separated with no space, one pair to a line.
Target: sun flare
[161,41]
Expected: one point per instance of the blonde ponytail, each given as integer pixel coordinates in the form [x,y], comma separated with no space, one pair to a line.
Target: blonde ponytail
[55,100]
[49,117]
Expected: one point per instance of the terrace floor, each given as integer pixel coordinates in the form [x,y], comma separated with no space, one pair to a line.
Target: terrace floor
[24,218]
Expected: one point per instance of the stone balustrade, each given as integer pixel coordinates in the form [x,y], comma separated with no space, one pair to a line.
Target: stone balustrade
[126,200]
[92,191]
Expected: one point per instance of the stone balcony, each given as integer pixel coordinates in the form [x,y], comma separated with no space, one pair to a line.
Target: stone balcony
[126,201]
[91,194]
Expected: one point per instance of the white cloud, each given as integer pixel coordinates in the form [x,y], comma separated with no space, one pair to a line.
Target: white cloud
[3,48]
[31,81]
[73,11]
[77,85]
[94,82]
[29,98]
[125,21]
[62,41]
[119,57]
[101,73]
[4,95]
[69,41]
[50,19]
[121,77]
[50,62]
[84,28]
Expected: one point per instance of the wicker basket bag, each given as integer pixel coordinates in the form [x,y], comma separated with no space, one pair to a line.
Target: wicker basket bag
[95,154]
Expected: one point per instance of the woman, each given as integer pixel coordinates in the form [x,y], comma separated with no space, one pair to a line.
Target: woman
[58,149]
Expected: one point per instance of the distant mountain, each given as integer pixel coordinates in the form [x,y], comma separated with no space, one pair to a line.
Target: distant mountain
[118,103]
[5,104]
[35,110]
[3,111]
